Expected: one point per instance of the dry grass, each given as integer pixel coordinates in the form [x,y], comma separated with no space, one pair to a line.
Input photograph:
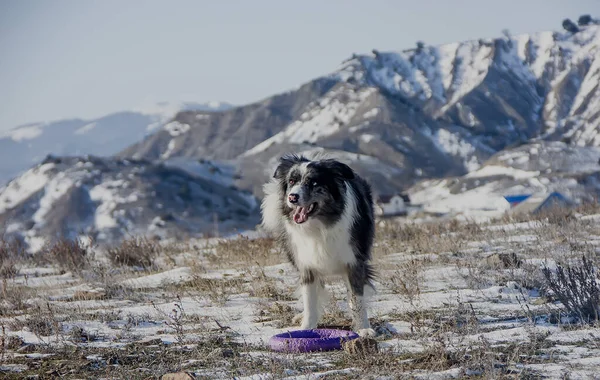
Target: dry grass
[71,255]
[11,254]
[278,313]
[418,238]
[577,287]
[135,252]
[41,321]
[245,252]
[556,215]
[407,279]
[218,291]
[15,298]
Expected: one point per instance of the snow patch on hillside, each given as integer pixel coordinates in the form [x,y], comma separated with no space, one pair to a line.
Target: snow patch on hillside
[176,128]
[454,145]
[86,128]
[371,113]
[106,194]
[494,170]
[542,45]
[323,118]
[218,172]
[170,149]
[471,65]
[53,191]
[479,203]
[24,187]
[168,110]
[26,132]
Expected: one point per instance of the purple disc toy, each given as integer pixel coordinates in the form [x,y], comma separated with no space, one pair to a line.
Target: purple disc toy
[311,340]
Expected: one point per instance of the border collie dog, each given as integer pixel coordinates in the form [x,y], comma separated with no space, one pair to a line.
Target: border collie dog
[321,211]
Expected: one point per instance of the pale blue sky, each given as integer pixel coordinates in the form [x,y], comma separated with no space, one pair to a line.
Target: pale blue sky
[86,58]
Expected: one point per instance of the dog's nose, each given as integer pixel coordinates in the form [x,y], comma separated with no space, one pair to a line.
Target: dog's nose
[293,198]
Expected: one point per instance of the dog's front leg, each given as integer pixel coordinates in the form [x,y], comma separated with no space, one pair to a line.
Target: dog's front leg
[310,299]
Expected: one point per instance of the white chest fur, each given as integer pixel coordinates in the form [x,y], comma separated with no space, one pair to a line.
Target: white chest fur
[325,250]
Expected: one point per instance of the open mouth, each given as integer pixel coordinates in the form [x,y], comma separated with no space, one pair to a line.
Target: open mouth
[301,214]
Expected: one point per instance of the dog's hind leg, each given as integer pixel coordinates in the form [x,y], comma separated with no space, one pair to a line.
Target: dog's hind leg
[356,280]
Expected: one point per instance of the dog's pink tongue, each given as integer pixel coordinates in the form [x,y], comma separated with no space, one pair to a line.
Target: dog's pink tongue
[300,215]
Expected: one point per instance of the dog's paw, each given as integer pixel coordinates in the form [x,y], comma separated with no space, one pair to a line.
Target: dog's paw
[367,333]
[297,320]
[306,325]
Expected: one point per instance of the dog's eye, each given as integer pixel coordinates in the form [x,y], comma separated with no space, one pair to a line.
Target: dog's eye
[291,181]
[315,184]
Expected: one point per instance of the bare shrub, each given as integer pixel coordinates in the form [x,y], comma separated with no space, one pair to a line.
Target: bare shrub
[576,287]
[14,298]
[70,255]
[431,237]
[42,322]
[280,314]
[80,335]
[407,280]
[216,290]
[40,325]
[10,254]
[136,252]
[335,317]
[269,290]
[175,320]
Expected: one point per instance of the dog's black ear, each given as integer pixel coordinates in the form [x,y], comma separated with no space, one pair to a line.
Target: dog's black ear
[285,164]
[341,170]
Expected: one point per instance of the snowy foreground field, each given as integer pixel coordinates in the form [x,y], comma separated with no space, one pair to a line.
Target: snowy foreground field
[453,300]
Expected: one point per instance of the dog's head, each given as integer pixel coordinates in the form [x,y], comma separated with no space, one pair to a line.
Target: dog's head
[311,189]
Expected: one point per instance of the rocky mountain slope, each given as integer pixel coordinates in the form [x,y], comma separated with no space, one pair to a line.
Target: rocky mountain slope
[27,145]
[225,135]
[110,199]
[427,112]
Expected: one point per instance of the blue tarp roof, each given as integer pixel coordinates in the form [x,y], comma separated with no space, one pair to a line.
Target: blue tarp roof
[516,198]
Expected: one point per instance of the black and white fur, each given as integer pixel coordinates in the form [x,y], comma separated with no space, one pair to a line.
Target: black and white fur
[322,213]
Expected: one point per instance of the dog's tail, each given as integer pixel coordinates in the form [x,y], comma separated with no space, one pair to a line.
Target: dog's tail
[271,208]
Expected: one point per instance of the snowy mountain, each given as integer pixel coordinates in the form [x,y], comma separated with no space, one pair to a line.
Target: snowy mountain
[459,126]
[26,145]
[427,112]
[110,199]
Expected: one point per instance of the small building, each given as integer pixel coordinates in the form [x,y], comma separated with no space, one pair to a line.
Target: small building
[541,202]
[516,199]
[392,205]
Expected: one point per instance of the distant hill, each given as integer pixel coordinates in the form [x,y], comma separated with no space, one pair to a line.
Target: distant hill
[27,145]
[109,199]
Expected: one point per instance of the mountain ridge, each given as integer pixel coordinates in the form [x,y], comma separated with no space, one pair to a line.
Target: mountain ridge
[432,111]
[106,135]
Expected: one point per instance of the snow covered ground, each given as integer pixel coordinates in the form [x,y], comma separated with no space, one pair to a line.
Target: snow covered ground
[452,300]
